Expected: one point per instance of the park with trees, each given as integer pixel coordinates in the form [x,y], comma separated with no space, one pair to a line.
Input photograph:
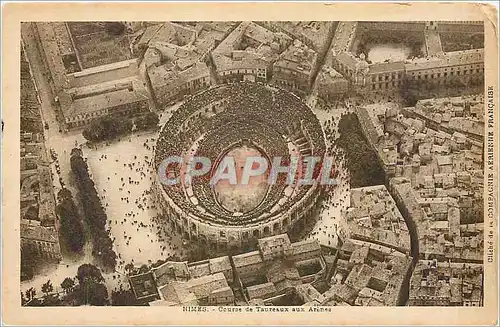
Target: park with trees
[86,288]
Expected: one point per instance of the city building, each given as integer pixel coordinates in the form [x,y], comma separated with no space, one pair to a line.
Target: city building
[171,85]
[205,290]
[194,213]
[374,217]
[367,275]
[124,102]
[89,76]
[266,274]
[41,240]
[37,198]
[248,53]
[446,284]
[441,233]
[435,66]
[295,68]
[314,34]
[38,227]
[331,85]
[176,57]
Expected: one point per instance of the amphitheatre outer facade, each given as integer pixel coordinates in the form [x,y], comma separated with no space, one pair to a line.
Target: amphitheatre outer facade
[210,124]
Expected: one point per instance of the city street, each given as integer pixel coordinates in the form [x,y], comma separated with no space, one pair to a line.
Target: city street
[62,143]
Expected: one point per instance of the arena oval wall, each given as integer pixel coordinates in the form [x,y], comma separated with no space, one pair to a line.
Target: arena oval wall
[278,213]
[219,236]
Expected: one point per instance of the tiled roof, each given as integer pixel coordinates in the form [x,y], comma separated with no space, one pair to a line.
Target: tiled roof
[247,259]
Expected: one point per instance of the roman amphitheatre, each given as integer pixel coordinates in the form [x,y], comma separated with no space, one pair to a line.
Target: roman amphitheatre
[242,119]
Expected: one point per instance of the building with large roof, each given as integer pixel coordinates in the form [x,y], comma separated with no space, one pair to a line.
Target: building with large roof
[248,53]
[434,66]
[40,239]
[176,56]
[89,92]
[367,275]
[295,68]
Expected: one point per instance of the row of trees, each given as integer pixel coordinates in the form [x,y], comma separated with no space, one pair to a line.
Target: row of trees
[86,288]
[94,214]
[110,127]
[364,167]
[412,91]
[70,222]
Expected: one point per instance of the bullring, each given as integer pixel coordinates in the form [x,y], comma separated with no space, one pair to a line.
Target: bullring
[222,118]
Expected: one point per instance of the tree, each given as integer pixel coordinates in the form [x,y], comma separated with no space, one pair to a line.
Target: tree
[51,300]
[90,134]
[64,194]
[143,269]
[123,298]
[30,259]
[410,93]
[107,128]
[47,287]
[34,303]
[30,293]
[150,120]
[89,272]
[124,127]
[129,267]
[67,284]
[71,225]
[364,167]
[95,294]
[91,289]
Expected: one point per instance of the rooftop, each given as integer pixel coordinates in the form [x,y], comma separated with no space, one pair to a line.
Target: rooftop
[266,244]
[104,101]
[143,286]
[261,291]
[373,215]
[297,57]
[305,246]
[170,270]
[247,259]
[30,231]
[386,67]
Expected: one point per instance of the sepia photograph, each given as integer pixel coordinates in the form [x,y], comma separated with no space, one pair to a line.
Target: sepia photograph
[223,167]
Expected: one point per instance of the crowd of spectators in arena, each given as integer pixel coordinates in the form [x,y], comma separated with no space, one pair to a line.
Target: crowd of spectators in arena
[222,117]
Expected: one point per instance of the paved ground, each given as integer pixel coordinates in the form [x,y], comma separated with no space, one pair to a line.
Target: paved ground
[326,227]
[123,178]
